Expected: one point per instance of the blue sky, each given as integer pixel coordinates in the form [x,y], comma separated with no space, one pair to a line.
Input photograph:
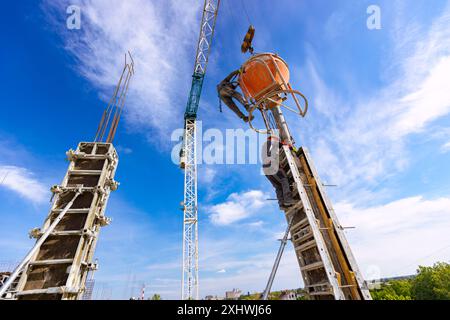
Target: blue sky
[379,128]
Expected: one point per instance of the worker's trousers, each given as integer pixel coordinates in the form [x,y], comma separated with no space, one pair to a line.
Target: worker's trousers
[227,97]
[281,185]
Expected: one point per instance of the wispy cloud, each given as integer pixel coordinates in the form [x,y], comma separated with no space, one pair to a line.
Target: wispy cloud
[158,34]
[358,142]
[237,207]
[256,224]
[23,182]
[207,175]
[445,147]
[399,235]
[124,150]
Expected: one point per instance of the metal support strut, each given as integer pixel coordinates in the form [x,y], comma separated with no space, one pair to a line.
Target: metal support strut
[277,261]
[38,245]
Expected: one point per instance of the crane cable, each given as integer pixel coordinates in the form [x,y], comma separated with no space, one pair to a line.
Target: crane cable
[235,24]
[246,12]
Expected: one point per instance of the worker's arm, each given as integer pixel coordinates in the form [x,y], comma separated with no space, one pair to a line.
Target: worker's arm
[231,76]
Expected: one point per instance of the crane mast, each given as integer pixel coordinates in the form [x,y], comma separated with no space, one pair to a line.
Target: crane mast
[188,154]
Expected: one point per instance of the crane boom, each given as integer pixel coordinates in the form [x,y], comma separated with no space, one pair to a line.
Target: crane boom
[188,158]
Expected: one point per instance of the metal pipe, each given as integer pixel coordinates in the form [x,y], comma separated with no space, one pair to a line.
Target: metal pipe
[285,134]
[277,261]
[37,245]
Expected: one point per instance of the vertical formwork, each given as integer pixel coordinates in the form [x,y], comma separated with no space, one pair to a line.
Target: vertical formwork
[327,265]
[58,270]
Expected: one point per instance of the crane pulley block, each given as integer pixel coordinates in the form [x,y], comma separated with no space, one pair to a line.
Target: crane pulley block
[248,39]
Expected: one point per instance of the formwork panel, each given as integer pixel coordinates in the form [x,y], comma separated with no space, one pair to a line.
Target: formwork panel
[325,259]
[72,221]
[43,277]
[64,259]
[59,247]
[89,164]
[85,180]
[84,201]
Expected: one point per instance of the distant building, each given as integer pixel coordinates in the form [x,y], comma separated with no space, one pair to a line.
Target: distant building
[6,268]
[288,295]
[3,277]
[211,297]
[376,283]
[233,295]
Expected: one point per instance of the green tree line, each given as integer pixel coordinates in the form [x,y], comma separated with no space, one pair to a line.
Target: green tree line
[430,283]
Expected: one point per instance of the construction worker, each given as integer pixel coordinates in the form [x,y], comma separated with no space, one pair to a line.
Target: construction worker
[275,174]
[227,91]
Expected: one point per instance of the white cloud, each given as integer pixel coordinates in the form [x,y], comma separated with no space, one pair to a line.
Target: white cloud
[445,147]
[252,272]
[256,224]
[23,182]
[428,102]
[125,150]
[161,37]
[237,207]
[207,175]
[222,271]
[399,235]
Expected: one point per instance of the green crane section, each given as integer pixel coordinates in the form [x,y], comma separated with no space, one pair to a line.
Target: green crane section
[208,23]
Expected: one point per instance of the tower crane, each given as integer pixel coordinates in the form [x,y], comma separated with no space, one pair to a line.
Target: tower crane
[188,156]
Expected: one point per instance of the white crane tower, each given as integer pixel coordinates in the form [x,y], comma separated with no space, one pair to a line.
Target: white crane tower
[188,154]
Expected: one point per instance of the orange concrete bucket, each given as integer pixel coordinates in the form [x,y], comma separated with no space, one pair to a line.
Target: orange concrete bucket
[263,73]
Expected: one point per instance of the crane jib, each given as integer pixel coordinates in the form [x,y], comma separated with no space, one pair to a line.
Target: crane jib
[194,96]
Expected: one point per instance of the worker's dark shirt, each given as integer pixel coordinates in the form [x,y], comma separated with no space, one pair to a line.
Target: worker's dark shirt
[271,157]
